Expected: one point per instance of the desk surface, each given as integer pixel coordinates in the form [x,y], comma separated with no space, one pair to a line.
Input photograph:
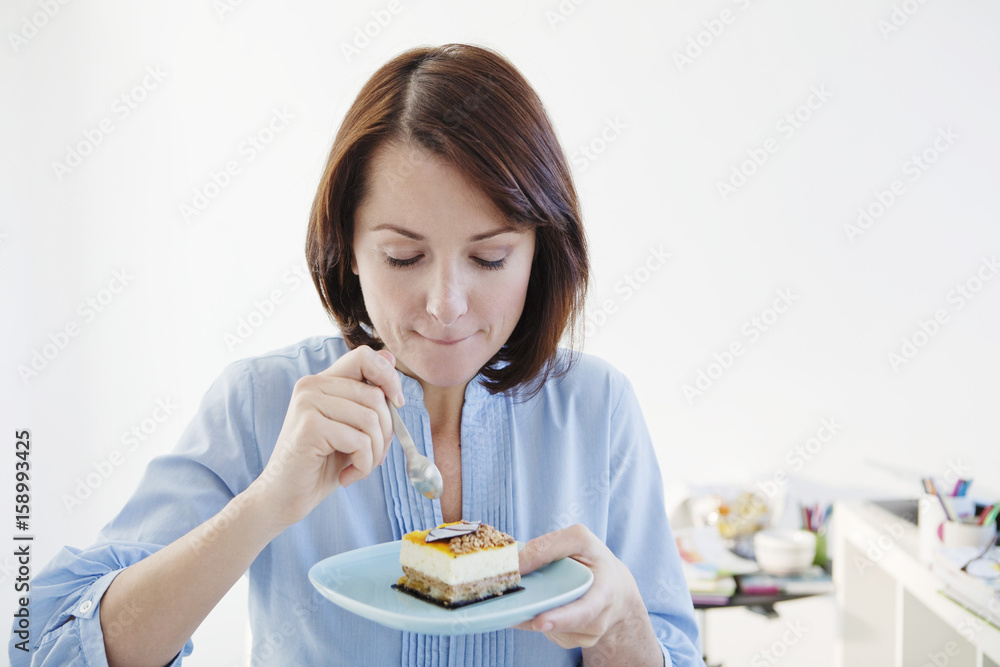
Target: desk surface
[740,599]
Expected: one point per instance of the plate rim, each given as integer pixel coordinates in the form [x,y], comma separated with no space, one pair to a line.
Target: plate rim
[388,617]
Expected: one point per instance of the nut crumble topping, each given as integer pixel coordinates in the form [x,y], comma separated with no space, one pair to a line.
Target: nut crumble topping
[484,538]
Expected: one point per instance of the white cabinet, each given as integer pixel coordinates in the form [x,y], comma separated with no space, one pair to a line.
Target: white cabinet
[890,610]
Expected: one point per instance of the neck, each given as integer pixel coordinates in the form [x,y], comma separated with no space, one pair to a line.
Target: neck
[443,404]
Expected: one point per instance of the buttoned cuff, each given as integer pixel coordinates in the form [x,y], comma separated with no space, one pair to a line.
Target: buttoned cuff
[87,624]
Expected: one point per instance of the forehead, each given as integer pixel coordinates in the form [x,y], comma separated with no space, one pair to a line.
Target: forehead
[407,184]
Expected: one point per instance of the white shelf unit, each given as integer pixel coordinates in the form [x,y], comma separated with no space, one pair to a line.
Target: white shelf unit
[890,611]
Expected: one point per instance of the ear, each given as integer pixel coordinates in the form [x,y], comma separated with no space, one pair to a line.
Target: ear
[354,264]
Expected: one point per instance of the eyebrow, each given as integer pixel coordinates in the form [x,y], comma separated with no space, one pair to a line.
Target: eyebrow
[417,237]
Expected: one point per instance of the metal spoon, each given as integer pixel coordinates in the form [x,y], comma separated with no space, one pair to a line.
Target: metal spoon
[423,474]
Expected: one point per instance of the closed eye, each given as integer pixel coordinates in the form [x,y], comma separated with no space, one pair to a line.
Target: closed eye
[397,263]
[492,266]
[401,263]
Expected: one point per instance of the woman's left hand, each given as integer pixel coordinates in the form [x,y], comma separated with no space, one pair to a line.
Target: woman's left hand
[611,613]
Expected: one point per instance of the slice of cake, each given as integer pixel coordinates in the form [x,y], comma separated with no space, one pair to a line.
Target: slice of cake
[458,563]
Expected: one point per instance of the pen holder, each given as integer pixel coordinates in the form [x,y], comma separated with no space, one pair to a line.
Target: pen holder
[821,557]
[931,520]
[968,534]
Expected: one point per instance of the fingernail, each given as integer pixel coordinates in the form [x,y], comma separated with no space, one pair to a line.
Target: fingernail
[400,400]
[546,626]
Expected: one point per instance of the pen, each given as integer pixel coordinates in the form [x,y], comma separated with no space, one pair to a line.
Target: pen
[958,488]
[947,514]
[990,514]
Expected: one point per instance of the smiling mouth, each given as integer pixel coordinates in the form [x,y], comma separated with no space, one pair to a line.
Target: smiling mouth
[450,341]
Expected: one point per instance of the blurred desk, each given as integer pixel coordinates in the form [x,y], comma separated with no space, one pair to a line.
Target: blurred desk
[759,604]
[889,606]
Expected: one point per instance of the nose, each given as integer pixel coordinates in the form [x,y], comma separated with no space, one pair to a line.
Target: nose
[446,298]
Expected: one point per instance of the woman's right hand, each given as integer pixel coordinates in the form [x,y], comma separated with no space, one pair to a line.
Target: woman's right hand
[336,431]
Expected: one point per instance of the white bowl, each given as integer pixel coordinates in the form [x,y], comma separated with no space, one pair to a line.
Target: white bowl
[782,552]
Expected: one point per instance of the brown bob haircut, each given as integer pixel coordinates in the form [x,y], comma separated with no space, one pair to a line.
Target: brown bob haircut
[470,107]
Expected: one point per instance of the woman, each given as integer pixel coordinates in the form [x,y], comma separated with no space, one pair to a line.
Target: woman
[445,241]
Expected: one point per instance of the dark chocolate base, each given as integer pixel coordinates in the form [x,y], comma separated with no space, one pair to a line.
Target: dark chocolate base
[454,605]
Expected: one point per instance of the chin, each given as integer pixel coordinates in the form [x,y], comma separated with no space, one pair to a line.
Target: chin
[445,374]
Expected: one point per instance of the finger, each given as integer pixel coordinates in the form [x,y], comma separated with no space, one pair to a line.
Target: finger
[366,365]
[351,412]
[365,407]
[339,445]
[576,541]
[583,616]
[352,460]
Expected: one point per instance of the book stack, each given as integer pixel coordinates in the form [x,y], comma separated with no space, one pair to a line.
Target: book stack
[813,581]
[709,566]
[977,587]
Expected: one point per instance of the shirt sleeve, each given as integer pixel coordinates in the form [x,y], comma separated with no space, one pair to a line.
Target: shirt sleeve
[636,500]
[215,459]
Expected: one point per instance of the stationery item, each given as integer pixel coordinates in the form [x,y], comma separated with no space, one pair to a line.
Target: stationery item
[968,534]
[813,580]
[816,519]
[708,565]
[931,517]
[989,514]
[971,577]
[941,500]
[714,592]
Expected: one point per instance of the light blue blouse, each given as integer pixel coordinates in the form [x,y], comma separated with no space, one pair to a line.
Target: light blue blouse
[578,452]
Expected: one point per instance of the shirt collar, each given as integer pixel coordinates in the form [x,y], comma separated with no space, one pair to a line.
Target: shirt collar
[475,392]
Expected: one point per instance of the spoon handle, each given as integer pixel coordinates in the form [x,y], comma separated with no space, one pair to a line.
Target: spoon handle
[409,448]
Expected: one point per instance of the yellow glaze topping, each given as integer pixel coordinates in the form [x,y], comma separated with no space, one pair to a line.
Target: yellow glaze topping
[444,546]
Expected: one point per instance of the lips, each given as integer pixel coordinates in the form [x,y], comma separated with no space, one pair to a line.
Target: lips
[445,341]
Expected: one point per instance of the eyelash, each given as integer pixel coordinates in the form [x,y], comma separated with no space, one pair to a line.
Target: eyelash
[404,263]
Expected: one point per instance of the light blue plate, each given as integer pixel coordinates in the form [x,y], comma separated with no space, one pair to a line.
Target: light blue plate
[360,581]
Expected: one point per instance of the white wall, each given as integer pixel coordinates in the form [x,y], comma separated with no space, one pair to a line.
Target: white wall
[677,129]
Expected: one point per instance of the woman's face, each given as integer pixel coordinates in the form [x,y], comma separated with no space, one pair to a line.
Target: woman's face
[443,273]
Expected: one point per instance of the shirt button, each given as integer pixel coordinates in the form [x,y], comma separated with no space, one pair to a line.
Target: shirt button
[85,606]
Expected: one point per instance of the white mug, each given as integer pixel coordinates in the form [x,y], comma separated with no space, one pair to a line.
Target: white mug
[962,534]
[931,520]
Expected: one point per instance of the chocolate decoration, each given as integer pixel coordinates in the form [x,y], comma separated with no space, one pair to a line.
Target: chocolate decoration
[448,532]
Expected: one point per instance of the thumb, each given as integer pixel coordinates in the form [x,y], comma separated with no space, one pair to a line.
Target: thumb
[388,356]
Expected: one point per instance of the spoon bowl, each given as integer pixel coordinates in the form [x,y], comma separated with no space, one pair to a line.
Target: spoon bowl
[424,475]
